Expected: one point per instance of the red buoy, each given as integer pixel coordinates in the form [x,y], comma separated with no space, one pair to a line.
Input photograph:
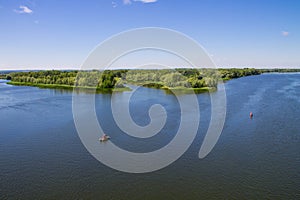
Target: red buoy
[251,115]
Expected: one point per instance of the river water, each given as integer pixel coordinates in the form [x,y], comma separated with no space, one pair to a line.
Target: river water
[42,157]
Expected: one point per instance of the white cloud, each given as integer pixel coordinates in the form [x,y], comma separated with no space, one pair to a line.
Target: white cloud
[147,1]
[126,2]
[285,33]
[24,9]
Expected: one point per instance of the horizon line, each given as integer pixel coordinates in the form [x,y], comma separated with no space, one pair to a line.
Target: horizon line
[128,68]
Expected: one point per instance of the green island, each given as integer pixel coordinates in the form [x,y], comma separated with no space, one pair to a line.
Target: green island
[181,79]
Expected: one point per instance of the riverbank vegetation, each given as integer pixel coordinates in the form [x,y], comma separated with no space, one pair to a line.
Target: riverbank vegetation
[181,78]
[3,76]
[88,80]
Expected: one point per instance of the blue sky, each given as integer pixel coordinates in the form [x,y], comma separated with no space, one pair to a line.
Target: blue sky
[47,34]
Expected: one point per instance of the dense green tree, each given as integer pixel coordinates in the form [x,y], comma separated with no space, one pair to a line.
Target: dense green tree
[195,78]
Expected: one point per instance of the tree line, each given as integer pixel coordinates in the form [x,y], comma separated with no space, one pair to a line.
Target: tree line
[94,78]
[186,78]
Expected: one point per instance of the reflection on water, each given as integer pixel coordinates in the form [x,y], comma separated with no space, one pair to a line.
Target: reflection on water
[292,90]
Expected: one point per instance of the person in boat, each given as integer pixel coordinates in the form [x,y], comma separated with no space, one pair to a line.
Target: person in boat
[104,138]
[251,115]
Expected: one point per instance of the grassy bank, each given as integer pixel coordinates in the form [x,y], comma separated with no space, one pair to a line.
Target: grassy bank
[68,87]
[184,90]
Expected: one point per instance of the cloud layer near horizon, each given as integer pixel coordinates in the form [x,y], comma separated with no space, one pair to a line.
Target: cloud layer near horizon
[127,2]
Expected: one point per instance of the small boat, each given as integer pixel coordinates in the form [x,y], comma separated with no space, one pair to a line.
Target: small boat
[104,138]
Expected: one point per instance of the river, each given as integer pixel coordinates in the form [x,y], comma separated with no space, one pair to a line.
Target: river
[42,156]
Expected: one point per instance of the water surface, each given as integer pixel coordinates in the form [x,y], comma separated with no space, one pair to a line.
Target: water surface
[42,156]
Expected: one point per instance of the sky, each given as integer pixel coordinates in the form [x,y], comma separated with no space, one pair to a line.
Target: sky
[60,34]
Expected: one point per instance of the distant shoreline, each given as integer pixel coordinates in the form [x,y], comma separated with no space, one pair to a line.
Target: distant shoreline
[178,80]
